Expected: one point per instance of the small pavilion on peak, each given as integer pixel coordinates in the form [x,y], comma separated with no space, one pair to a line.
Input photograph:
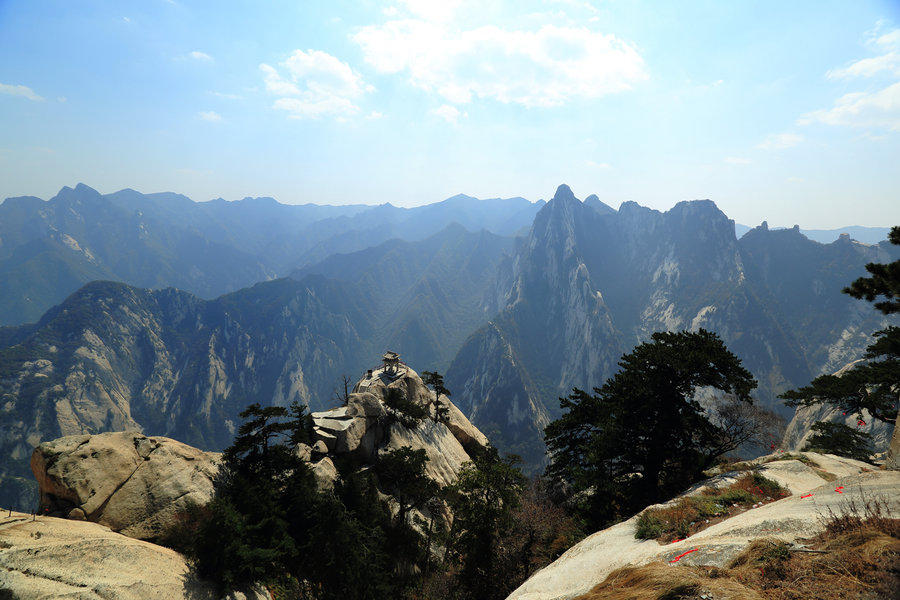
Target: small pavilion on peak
[391,361]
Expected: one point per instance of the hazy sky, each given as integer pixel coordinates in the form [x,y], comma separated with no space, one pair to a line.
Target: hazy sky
[783,111]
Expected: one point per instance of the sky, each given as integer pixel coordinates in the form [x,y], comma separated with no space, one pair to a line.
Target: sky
[787,112]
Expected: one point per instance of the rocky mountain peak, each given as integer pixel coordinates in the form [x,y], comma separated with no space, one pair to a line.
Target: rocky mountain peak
[563,193]
[391,407]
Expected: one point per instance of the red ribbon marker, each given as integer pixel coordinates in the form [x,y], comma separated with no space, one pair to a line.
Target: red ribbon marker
[680,556]
[806,496]
[839,489]
[679,540]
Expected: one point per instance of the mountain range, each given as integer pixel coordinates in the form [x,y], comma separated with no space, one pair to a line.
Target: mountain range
[513,322]
[48,249]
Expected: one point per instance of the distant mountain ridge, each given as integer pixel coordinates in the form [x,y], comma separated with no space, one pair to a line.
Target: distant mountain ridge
[48,249]
[866,235]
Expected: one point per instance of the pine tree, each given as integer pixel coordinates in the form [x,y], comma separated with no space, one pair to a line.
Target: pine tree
[643,436]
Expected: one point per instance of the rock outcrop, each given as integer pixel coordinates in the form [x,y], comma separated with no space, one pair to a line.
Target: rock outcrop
[46,558]
[127,481]
[798,516]
[366,426]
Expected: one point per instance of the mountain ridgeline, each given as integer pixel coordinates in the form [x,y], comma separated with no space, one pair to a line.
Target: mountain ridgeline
[48,249]
[589,283]
[513,323]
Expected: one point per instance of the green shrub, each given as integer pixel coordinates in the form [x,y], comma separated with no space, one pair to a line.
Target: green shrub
[406,411]
[649,526]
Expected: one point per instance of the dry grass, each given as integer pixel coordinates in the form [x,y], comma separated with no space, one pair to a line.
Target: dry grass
[695,513]
[659,581]
[857,556]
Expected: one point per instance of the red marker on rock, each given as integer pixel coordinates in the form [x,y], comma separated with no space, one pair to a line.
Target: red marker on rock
[680,556]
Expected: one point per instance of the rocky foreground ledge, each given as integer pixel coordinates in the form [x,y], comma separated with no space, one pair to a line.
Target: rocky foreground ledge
[43,558]
[798,516]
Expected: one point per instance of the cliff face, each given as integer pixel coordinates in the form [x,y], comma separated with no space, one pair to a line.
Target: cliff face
[165,363]
[588,285]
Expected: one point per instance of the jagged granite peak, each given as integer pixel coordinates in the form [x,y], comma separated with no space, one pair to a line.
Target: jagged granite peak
[585,287]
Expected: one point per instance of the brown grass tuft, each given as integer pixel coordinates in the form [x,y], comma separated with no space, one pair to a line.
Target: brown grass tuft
[658,581]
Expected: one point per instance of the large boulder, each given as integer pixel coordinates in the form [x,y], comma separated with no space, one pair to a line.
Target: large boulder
[46,558]
[132,483]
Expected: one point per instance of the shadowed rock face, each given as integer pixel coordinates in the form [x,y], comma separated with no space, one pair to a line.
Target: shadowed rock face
[129,482]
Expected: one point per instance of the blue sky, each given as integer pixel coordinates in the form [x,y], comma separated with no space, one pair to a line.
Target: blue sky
[780,111]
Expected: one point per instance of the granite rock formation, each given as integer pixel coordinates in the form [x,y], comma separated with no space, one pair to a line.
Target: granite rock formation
[127,481]
[47,558]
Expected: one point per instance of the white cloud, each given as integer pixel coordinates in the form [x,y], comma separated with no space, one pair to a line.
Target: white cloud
[889,40]
[880,109]
[780,141]
[889,61]
[449,113]
[877,107]
[547,67]
[209,115]
[316,84]
[201,56]
[737,160]
[20,90]
[868,67]
[374,115]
